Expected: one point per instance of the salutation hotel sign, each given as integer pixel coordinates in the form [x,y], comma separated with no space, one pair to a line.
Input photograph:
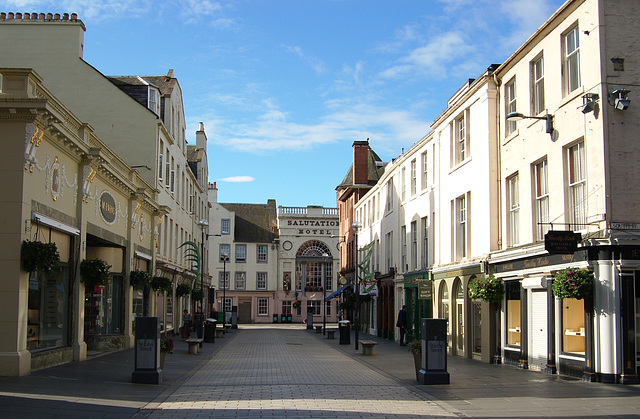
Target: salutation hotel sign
[319,227]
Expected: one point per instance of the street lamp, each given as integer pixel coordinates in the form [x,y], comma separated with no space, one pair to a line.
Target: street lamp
[225,258]
[324,293]
[356,228]
[203,224]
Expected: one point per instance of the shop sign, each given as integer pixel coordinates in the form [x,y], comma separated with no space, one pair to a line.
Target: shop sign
[424,290]
[561,242]
[108,207]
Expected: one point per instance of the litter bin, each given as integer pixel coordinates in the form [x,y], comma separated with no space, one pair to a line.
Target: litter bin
[275,318]
[210,330]
[345,332]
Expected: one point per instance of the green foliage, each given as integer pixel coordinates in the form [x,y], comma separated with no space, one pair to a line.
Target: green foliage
[573,283]
[182,290]
[167,344]
[486,288]
[94,272]
[139,279]
[161,284]
[38,256]
[197,294]
[415,346]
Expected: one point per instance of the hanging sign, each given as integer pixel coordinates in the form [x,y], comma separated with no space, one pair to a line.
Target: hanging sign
[561,242]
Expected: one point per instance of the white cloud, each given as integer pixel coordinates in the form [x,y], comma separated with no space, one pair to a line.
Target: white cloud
[315,63]
[238,179]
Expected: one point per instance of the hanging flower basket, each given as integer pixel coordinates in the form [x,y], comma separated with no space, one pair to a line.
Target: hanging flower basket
[296,304]
[139,279]
[197,294]
[486,288]
[572,283]
[94,272]
[182,290]
[38,256]
[161,284]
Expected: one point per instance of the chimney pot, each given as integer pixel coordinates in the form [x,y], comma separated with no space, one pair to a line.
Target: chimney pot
[65,16]
[10,15]
[56,16]
[19,16]
[49,16]
[41,16]
[74,16]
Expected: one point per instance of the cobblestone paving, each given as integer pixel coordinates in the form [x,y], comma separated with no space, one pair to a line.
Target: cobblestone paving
[285,373]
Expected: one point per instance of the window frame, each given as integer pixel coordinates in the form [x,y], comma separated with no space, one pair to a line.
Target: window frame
[425,169]
[537,85]
[259,285]
[221,252]
[241,253]
[510,101]
[240,280]
[577,184]
[259,253]
[541,198]
[262,306]
[513,210]
[571,77]
[225,226]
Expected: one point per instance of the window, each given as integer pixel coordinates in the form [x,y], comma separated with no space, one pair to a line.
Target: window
[403,237]
[571,60]
[425,242]
[460,135]
[313,307]
[541,199]
[153,100]
[173,175]
[388,250]
[390,191]
[425,179]
[327,308]
[573,337]
[167,171]
[223,280]
[461,227]
[413,177]
[577,185]
[240,280]
[286,307]
[414,245]
[228,303]
[262,253]
[512,292]
[160,166]
[510,105]
[225,226]
[403,183]
[261,281]
[263,306]
[241,252]
[537,85]
[225,252]
[514,209]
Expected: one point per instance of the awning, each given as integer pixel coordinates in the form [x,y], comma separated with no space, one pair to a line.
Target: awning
[328,297]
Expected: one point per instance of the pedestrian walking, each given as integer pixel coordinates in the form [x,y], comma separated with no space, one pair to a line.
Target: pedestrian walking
[402,324]
[198,319]
[186,324]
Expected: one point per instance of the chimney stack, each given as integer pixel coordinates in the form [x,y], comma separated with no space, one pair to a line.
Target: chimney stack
[361,162]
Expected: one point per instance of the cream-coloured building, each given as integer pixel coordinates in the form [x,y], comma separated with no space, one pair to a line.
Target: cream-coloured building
[140,119]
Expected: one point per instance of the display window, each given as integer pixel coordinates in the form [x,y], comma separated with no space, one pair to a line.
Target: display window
[573,336]
[104,308]
[513,313]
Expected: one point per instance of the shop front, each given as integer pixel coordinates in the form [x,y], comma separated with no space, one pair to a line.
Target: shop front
[418,297]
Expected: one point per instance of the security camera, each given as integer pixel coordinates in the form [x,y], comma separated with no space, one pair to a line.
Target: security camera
[622,104]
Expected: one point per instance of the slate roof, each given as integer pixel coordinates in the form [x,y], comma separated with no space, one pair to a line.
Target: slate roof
[254,223]
[375,172]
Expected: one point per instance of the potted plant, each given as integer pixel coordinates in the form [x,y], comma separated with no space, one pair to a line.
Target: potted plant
[94,272]
[415,347]
[161,284]
[486,288]
[182,290]
[296,304]
[139,279]
[38,256]
[572,283]
[167,345]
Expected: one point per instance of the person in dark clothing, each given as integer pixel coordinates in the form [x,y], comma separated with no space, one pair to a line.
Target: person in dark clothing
[198,319]
[402,324]
[186,324]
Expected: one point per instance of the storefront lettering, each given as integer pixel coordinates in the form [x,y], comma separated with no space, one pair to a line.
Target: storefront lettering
[313,223]
[108,207]
[319,232]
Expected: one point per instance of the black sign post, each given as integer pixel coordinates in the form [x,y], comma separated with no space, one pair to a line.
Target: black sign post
[434,352]
[147,351]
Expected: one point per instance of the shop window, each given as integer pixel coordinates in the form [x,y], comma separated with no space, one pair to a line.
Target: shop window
[263,307]
[103,308]
[286,307]
[514,332]
[313,307]
[444,309]
[573,339]
[476,330]
[48,316]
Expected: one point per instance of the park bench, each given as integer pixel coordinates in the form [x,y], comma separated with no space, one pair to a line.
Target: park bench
[318,328]
[194,345]
[227,328]
[219,331]
[331,333]
[367,347]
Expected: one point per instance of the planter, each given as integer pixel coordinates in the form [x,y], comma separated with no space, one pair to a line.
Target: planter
[38,256]
[162,357]
[572,283]
[417,362]
[161,284]
[487,288]
[94,272]
[139,279]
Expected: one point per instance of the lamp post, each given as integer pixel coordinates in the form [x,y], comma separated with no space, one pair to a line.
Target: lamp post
[225,257]
[324,293]
[356,228]
[203,224]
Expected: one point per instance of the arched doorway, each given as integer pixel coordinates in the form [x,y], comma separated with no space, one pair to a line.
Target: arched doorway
[443,298]
[459,317]
[314,273]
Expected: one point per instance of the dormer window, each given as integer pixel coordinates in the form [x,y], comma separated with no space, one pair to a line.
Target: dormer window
[154,100]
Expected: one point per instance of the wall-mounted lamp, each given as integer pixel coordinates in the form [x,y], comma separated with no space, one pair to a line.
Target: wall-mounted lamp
[141,166]
[517,116]
[619,98]
[589,102]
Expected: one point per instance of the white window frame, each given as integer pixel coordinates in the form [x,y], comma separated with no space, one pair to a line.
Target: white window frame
[314,307]
[577,185]
[224,249]
[223,280]
[403,247]
[537,85]
[510,105]
[460,211]
[240,280]
[262,280]
[513,203]
[414,245]
[263,307]
[225,226]
[541,191]
[413,177]
[425,242]
[425,170]
[571,60]
[262,256]
[241,253]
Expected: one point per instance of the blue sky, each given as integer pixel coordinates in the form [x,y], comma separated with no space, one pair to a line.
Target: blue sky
[284,87]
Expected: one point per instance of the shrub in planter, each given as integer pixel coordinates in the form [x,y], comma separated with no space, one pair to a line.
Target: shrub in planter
[139,279]
[487,288]
[572,283]
[94,272]
[38,256]
[161,284]
[167,344]
[182,290]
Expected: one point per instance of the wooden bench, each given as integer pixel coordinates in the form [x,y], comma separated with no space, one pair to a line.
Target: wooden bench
[367,347]
[219,332]
[318,328]
[194,345]
[331,333]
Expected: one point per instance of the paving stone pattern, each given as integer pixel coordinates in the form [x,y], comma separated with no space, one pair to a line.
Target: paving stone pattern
[285,373]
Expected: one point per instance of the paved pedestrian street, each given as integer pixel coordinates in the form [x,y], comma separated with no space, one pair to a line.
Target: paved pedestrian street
[290,373]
